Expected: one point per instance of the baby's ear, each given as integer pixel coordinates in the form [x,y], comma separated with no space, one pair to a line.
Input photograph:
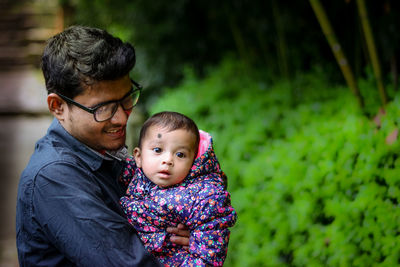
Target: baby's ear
[138,158]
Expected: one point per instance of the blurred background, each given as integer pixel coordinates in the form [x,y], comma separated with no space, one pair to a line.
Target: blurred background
[301,98]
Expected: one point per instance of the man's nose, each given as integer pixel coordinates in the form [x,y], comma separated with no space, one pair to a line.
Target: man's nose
[120,116]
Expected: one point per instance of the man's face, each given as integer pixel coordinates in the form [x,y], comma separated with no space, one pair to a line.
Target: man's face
[106,135]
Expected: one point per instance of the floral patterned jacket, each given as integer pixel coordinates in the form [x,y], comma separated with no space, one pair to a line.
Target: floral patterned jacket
[200,202]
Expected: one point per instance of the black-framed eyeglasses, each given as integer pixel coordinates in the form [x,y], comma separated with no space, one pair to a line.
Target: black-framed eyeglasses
[105,111]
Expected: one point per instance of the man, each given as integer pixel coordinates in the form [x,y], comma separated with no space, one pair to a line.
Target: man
[68,211]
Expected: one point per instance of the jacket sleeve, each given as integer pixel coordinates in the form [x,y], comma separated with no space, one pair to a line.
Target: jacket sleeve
[212,215]
[144,215]
[128,172]
[75,217]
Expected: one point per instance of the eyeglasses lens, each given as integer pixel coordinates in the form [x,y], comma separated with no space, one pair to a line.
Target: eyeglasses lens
[105,112]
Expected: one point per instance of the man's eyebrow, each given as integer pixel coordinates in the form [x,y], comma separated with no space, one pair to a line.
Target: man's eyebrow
[111,101]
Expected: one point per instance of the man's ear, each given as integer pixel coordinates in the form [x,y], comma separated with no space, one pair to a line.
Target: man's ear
[138,158]
[56,106]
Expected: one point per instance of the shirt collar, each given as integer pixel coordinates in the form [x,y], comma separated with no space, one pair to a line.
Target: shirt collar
[119,154]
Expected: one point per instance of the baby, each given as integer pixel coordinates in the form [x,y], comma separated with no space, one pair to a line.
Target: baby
[174,177]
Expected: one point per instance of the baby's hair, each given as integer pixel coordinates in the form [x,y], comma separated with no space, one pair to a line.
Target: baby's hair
[171,121]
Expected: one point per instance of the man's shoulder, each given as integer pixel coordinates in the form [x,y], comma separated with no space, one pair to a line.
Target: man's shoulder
[50,156]
[48,151]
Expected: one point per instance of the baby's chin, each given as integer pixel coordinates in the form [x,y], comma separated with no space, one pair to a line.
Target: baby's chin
[165,183]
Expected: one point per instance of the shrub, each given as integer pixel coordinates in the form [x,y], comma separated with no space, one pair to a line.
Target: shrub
[313,180]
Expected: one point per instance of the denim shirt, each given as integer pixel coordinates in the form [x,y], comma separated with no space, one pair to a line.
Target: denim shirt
[68,211]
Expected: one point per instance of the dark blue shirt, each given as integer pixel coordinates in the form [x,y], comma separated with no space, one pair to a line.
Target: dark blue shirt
[68,211]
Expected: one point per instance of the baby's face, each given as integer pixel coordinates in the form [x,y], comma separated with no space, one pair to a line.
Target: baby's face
[166,157]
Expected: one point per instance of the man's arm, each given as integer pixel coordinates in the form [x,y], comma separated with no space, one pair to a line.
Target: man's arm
[70,208]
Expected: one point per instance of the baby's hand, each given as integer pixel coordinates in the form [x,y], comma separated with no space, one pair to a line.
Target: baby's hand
[180,235]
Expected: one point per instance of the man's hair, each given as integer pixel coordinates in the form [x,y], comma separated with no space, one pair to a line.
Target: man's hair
[171,121]
[80,56]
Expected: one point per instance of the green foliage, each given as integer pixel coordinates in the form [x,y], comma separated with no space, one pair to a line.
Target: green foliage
[313,180]
[368,88]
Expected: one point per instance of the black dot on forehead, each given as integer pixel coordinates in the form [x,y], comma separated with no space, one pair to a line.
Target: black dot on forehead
[159,135]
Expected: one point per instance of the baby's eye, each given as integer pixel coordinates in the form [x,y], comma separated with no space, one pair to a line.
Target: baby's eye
[157,150]
[180,155]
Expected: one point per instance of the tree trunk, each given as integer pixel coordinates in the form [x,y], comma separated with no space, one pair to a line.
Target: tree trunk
[337,50]
[281,42]
[362,10]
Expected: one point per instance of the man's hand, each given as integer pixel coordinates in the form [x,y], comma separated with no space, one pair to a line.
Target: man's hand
[180,235]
